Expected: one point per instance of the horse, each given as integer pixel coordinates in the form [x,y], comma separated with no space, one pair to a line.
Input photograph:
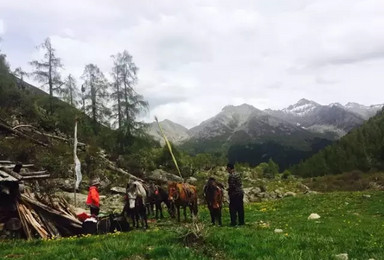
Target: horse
[136,198]
[157,195]
[182,195]
[213,194]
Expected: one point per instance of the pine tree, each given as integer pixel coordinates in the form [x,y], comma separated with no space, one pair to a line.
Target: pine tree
[70,92]
[95,94]
[47,70]
[128,102]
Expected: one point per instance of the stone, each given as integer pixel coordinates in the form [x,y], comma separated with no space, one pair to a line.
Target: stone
[163,176]
[366,196]
[343,256]
[119,190]
[192,180]
[278,230]
[289,194]
[313,216]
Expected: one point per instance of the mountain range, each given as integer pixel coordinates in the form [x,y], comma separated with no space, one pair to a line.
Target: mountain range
[245,123]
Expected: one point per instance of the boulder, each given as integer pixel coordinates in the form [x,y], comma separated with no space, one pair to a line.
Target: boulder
[252,194]
[343,256]
[63,184]
[289,194]
[163,176]
[191,180]
[313,216]
[118,190]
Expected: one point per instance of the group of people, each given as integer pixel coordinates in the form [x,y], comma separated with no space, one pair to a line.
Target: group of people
[235,193]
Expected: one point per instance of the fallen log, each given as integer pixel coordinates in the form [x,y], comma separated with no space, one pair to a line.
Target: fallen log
[32,173]
[114,168]
[34,177]
[67,140]
[21,134]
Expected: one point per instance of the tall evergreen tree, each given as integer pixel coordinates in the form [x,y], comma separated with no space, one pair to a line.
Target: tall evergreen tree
[70,92]
[47,70]
[128,102]
[95,94]
[20,74]
[117,94]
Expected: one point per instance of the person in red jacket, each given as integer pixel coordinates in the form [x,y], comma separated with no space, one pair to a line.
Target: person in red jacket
[93,200]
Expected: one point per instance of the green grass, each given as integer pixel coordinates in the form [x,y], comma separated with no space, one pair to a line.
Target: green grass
[350,223]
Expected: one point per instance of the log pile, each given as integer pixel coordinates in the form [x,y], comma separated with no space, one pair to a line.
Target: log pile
[45,217]
[31,215]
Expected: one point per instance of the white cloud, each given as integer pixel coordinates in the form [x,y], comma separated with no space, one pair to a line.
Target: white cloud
[2,29]
[197,56]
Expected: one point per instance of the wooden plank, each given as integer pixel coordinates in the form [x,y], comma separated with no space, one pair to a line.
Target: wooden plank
[7,162]
[24,223]
[32,173]
[34,177]
[12,173]
[49,209]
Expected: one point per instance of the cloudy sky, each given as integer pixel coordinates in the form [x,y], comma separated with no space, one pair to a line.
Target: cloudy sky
[195,57]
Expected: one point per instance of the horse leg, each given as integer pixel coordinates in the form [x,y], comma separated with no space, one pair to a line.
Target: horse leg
[219,216]
[185,213]
[178,213]
[212,213]
[145,224]
[160,209]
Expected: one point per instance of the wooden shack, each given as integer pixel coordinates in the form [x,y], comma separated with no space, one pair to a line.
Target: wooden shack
[24,214]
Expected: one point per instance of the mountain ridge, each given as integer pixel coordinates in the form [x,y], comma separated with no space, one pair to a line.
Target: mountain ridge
[333,120]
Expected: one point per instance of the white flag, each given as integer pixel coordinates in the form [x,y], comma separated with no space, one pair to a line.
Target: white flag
[77,161]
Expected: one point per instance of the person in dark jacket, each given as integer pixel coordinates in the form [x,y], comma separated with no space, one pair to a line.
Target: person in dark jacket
[236,195]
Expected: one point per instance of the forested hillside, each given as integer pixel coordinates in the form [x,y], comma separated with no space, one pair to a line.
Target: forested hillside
[361,149]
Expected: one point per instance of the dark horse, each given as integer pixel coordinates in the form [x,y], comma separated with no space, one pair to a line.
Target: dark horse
[156,196]
[182,195]
[134,207]
[213,194]
[108,224]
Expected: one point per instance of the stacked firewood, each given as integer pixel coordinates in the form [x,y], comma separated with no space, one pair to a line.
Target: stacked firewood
[45,217]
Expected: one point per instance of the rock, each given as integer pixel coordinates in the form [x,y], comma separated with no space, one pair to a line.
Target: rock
[309,192]
[163,176]
[289,194]
[63,184]
[343,256]
[366,196]
[278,230]
[191,180]
[313,216]
[119,190]
[252,194]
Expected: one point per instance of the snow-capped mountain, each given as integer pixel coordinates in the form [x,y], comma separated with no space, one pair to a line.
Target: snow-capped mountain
[302,108]
[364,111]
[229,120]
[334,118]
[245,123]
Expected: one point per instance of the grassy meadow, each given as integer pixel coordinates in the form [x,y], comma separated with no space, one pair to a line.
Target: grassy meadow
[351,222]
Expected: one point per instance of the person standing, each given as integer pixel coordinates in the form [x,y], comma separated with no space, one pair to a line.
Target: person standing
[236,195]
[93,199]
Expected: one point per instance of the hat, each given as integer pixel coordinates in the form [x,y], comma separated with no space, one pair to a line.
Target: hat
[95,181]
[230,166]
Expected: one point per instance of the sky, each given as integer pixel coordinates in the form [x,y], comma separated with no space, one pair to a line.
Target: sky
[195,57]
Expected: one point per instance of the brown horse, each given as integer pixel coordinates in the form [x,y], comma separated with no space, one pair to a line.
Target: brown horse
[213,194]
[182,195]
